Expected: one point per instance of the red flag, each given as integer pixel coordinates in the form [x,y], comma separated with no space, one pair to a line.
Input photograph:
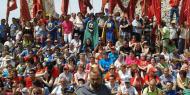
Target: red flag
[131,9]
[188,13]
[37,6]
[24,10]
[184,11]
[64,6]
[147,9]
[156,4]
[112,4]
[11,5]
[83,4]
[103,4]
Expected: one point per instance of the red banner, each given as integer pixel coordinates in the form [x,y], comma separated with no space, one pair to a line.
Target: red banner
[11,5]
[156,4]
[184,13]
[24,11]
[103,4]
[37,6]
[64,7]
[112,4]
[83,5]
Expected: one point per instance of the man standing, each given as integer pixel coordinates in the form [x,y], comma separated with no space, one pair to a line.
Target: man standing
[94,86]
[137,27]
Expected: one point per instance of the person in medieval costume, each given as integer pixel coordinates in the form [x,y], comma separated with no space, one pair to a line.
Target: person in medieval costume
[91,31]
[110,31]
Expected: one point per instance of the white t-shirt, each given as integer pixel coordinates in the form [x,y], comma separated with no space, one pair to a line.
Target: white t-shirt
[126,75]
[124,90]
[173,33]
[57,90]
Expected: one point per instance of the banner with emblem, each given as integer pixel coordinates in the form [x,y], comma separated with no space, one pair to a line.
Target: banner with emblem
[49,7]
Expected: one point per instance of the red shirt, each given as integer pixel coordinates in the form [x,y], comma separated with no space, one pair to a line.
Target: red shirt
[174,3]
[55,72]
[147,78]
[28,82]
[67,26]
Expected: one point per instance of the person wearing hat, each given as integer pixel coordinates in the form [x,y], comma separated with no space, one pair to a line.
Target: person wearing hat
[112,71]
[110,32]
[91,31]
[48,45]
[127,89]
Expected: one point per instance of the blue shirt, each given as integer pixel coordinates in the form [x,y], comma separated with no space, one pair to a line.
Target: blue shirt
[105,63]
[113,56]
[2,32]
[171,92]
[24,53]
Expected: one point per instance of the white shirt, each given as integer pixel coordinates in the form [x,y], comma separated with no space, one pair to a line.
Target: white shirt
[79,23]
[173,33]
[136,24]
[57,90]
[124,90]
[184,33]
[126,75]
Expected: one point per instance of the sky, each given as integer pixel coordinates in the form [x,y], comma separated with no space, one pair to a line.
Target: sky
[73,7]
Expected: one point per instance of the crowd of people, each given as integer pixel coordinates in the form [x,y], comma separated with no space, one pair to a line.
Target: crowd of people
[94,54]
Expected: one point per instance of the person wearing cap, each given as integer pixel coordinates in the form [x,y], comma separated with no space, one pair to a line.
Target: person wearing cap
[112,71]
[110,32]
[91,31]
[127,89]
[48,45]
